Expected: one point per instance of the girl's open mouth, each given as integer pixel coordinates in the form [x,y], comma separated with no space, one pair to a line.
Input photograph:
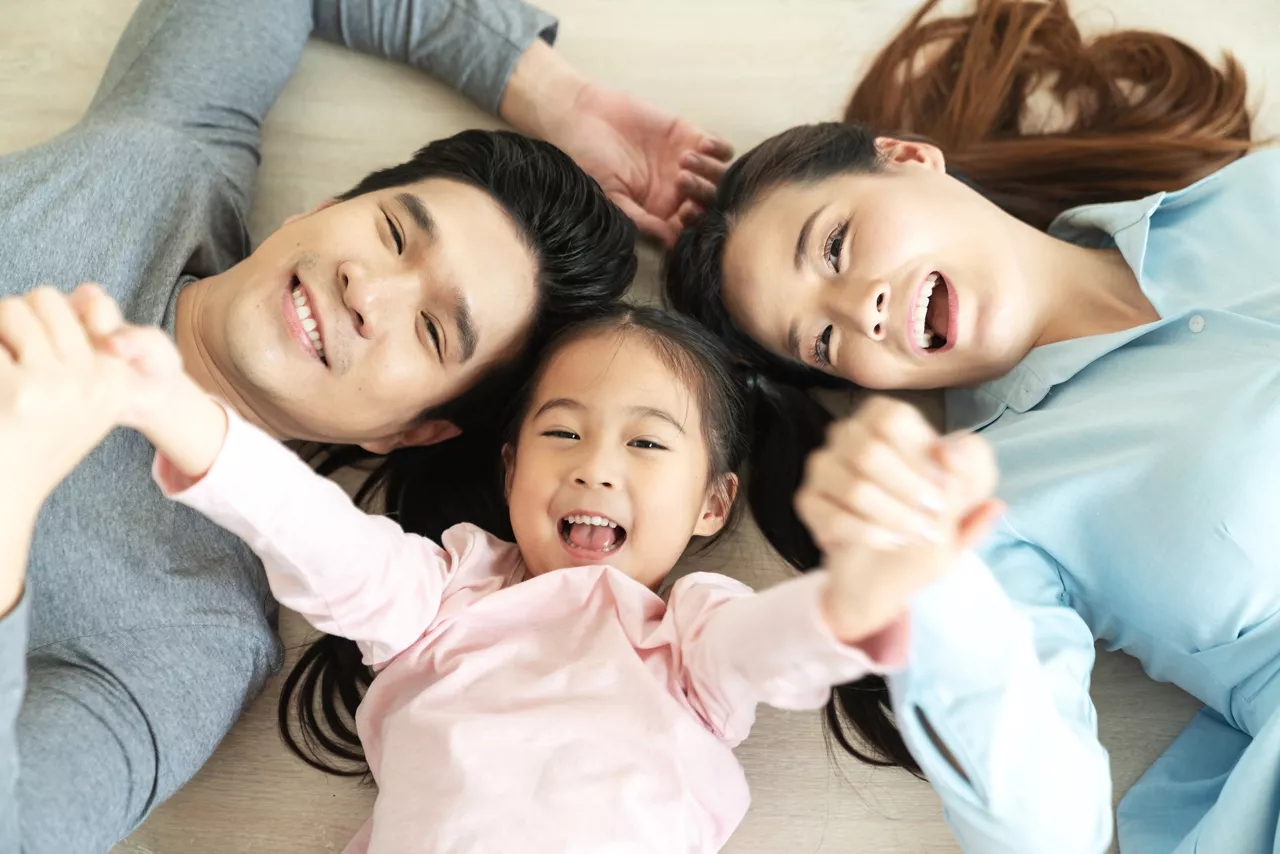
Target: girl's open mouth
[591,533]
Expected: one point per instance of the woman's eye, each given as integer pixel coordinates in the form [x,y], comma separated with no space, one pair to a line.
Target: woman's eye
[822,349]
[647,445]
[395,234]
[560,434]
[835,246]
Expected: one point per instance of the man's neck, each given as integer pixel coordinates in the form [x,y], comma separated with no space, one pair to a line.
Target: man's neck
[192,331]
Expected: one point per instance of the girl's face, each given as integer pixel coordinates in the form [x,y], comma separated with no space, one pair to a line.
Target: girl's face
[900,279]
[611,466]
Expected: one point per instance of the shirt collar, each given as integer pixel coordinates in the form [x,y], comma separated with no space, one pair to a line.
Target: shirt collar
[1123,225]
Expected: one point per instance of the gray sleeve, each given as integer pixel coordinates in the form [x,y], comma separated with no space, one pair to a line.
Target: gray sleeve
[472,45]
[13,677]
[211,69]
[113,725]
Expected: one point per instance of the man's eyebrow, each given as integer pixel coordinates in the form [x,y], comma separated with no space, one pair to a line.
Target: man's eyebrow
[417,212]
[803,240]
[654,412]
[468,336]
[559,403]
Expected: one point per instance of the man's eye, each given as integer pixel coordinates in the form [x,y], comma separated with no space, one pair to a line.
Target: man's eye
[434,334]
[395,234]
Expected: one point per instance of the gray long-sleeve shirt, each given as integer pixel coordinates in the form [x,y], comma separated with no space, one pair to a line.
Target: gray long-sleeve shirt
[145,630]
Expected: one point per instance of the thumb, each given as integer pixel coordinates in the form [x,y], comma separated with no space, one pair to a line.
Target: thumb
[977,523]
[968,458]
[147,350]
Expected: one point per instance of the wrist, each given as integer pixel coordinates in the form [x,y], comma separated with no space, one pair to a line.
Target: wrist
[542,93]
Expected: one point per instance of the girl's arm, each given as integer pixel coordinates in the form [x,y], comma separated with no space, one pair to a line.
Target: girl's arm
[348,573]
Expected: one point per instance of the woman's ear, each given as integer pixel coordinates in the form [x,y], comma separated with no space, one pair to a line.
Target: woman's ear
[717,506]
[906,153]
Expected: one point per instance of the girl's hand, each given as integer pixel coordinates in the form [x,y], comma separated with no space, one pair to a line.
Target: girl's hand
[59,397]
[891,504]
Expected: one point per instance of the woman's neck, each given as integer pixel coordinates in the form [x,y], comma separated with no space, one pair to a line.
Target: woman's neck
[1090,292]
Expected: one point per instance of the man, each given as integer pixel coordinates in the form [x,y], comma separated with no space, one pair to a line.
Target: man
[368,321]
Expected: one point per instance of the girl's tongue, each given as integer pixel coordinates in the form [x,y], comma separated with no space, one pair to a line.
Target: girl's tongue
[595,537]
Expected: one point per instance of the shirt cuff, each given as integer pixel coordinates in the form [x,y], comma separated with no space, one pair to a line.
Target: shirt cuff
[505,31]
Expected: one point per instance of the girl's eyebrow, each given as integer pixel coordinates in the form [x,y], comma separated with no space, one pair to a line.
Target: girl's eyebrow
[635,411]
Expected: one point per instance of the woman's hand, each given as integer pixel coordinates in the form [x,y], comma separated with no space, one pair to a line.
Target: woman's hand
[658,168]
[891,504]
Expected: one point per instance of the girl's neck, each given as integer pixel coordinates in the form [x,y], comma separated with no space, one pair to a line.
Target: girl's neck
[1087,291]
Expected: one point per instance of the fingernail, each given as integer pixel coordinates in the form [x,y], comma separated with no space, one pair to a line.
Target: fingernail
[689,161]
[933,534]
[932,500]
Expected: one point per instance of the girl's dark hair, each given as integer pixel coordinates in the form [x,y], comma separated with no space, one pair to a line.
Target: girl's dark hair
[1143,113]
[436,487]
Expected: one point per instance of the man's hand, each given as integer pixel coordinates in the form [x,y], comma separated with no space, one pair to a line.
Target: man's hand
[658,168]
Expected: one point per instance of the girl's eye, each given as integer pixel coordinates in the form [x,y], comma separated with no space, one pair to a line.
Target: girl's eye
[395,234]
[835,246]
[647,445]
[560,434]
[822,349]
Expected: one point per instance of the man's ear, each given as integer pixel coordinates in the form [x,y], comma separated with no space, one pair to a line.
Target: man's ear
[907,152]
[327,203]
[426,433]
[716,507]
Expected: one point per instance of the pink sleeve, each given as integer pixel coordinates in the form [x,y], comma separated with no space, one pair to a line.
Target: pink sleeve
[347,572]
[738,648]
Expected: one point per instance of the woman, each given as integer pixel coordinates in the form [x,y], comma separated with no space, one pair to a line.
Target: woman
[1101,302]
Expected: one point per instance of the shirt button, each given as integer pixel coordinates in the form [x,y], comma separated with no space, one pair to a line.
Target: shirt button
[1196,324]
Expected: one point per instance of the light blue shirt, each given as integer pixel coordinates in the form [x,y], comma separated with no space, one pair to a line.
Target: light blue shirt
[1142,474]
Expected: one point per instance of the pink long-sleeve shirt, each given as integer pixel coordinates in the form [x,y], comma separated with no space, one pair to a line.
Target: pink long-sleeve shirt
[574,711]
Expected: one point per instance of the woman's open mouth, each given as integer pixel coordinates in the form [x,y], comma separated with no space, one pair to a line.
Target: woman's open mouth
[591,534]
[933,317]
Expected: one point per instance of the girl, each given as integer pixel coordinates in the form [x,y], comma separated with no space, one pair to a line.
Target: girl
[540,696]
[1101,300]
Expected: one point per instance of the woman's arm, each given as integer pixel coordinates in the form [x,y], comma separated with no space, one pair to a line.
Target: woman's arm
[995,707]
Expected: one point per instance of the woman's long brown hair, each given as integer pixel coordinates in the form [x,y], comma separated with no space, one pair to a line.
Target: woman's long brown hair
[1138,111]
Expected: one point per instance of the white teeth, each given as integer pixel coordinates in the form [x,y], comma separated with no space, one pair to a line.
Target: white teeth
[924,335]
[309,324]
[598,521]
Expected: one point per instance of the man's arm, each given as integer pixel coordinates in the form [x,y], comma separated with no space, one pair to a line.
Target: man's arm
[210,70]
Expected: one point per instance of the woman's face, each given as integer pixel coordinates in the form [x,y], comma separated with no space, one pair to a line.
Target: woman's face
[901,279]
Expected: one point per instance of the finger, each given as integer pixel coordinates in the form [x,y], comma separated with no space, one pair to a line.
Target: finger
[99,314]
[66,334]
[146,349]
[975,526]
[707,167]
[689,213]
[22,333]
[899,425]
[871,501]
[649,225]
[833,528]
[875,460]
[696,188]
[713,146]
[972,464]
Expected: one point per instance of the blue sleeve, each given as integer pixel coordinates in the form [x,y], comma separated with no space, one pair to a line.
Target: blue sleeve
[995,706]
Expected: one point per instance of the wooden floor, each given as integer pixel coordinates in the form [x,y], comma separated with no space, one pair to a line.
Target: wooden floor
[743,68]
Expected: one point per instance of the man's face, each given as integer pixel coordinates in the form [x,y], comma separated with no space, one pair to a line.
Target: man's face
[349,321]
